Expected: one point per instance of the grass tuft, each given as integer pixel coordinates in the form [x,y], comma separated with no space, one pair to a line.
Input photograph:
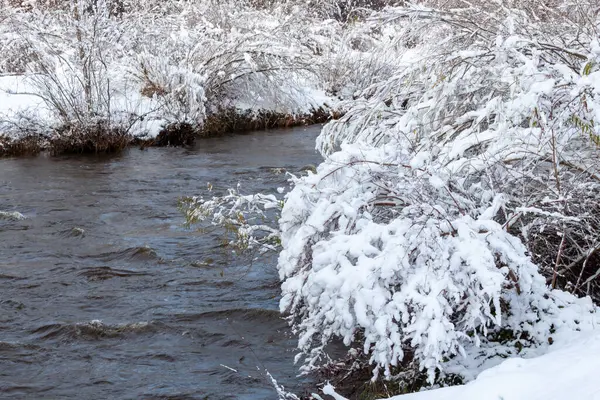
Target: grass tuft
[26,146]
[90,139]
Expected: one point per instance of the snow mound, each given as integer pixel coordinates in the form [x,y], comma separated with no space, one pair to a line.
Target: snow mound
[568,372]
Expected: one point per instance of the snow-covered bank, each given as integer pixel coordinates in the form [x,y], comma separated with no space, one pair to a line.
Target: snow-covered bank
[568,372]
[86,72]
[565,372]
[23,109]
[28,124]
[24,105]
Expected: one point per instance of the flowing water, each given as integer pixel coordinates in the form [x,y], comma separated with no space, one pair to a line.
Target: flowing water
[104,294]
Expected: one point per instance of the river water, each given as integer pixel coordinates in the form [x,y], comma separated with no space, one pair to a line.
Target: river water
[104,294]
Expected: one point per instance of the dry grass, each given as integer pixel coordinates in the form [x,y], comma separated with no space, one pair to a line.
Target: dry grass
[26,146]
[351,377]
[173,135]
[94,139]
[103,138]
[230,120]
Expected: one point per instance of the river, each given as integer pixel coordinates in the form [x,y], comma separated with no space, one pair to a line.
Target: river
[104,293]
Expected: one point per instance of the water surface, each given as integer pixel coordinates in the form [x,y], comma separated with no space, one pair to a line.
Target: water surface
[104,294]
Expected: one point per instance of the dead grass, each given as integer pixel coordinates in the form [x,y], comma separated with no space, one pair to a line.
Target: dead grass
[231,120]
[26,146]
[173,135]
[94,139]
[100,137]
[351,376]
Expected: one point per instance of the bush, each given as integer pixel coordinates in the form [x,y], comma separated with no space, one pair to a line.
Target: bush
[416,233]
[192,61]
[26,146]
[414,240]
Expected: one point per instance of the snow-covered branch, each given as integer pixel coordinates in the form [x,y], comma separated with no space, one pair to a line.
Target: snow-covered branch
[248,220]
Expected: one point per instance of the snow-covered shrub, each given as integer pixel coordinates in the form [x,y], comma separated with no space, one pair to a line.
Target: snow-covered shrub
[178,92]
[404,261]
[414,238]
[456,166]
[248,58]
[160,64]
[517,102]
[347,10]
[358,56]
[72,69]
[256,64]
[457,193]
[16,52]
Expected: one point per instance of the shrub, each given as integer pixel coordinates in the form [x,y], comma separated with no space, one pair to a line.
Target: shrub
[413,241]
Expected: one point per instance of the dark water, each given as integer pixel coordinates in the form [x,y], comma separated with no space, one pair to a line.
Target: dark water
[103,293]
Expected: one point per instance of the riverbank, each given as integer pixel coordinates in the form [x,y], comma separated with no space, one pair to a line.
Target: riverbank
[101,140]
[91,81]
[36,118]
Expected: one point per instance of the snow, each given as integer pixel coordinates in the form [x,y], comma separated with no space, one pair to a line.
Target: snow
[20,98]
[185,69]
[416,235]
[425,274]
[400,239]
[17,97]
[303,100]
[11,215]
[565,372]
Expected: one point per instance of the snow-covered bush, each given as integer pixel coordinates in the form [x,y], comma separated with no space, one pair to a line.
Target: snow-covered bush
[516,103]
[247,219]
[404,263]
[74,68]
[457,192]
[361,55]
[16,53]
[414,239]
[159,64]
[347,10]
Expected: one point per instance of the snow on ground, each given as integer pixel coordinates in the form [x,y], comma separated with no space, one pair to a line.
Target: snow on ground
[566,372]
[17,96]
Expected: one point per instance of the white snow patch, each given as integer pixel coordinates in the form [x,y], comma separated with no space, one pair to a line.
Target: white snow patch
[11,216]
[566,372]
